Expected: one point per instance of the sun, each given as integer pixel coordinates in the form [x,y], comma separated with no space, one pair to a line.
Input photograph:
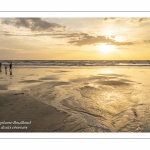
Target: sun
[106,49]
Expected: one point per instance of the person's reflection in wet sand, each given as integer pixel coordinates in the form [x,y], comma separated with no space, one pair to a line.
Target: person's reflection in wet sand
[10,72]
[6,71]
[0,67]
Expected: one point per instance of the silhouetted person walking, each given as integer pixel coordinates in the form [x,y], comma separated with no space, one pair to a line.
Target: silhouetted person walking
[6,70]
[10,66]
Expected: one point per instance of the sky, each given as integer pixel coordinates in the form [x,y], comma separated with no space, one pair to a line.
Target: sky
[75,38]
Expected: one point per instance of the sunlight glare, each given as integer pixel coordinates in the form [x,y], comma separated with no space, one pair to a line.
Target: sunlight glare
[107,71]
[104,48]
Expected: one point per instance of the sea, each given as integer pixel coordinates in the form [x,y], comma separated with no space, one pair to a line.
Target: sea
[50,63]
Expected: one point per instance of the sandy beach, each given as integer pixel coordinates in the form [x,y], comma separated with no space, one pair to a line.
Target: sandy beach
[75,99]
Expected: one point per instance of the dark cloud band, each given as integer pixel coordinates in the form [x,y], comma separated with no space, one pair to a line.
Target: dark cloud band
[36,24]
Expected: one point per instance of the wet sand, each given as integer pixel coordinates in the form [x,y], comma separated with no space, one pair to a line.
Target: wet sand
[76,99]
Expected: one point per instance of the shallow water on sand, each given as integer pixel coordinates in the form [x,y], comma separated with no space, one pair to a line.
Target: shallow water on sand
[106,99]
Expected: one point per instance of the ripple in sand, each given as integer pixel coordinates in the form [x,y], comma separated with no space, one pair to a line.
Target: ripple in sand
[113,83]
[3,87]
[30,81]
[49,78]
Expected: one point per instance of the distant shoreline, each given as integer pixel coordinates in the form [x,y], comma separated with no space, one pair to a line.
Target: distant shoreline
[63,63]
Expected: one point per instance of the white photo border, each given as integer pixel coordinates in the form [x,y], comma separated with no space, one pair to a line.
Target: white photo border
[74,14]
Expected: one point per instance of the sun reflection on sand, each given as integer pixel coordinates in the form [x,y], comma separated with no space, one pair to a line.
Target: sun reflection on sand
[106,71]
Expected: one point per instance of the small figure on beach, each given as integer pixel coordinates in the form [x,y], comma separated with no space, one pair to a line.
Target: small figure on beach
[10,66]
[5,69]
